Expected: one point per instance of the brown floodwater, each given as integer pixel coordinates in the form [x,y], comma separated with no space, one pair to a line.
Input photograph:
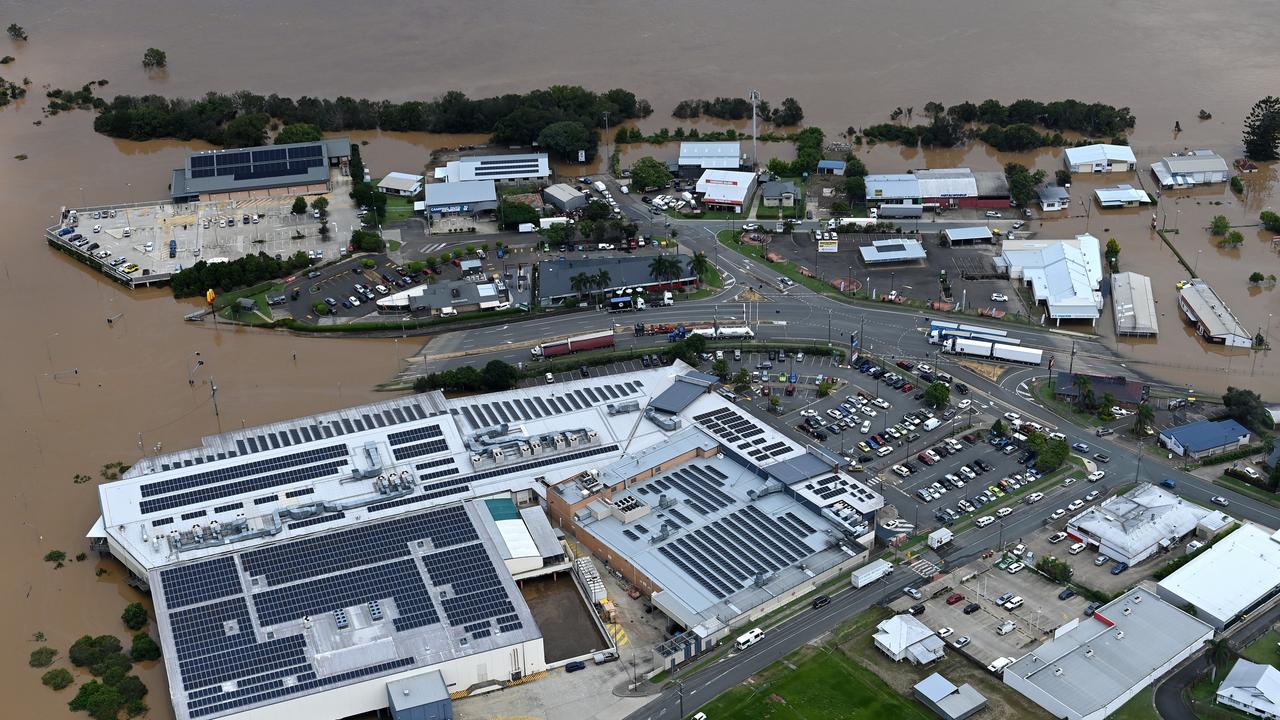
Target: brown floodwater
[77,392]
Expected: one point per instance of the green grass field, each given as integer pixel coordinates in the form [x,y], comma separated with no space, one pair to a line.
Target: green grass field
[398,208]
[1264,650]
[1139,707]
[824,684]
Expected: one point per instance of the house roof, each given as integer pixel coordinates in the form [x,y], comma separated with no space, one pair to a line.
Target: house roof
[1229,577]
[562,192]
[1088,154]
[1050,192]
[837,166]
[706,155]
[901,632]
[1120,387]
[1206,434]
[778,188]
[1254,685]
[1103,657]
[462,192]
[1136,521]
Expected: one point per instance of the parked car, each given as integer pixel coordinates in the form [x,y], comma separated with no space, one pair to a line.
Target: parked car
[972,608]
[954,598]
[999,297]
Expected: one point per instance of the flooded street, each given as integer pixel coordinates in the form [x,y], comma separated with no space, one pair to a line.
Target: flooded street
[78,392]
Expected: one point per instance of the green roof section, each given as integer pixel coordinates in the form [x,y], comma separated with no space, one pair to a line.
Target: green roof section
[502,509]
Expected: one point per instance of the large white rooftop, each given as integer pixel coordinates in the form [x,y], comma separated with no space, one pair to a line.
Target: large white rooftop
[1100,153]
[1228,578]
[1134,304]
[1134,523]
[1065,274]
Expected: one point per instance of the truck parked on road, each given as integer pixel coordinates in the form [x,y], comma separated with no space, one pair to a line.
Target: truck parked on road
[940,537]
[871,572]
[992,351]
[578,343]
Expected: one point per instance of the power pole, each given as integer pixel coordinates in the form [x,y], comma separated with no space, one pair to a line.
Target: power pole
[754,96]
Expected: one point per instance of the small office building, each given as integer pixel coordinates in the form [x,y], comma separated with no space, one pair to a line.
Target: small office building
[831,167]
[892,250]
[1198,167]
[1127,392]
[1134,526]
[726,189]
[1053,197]
[1066,275]
[967,236]
[1207,437]
[465,197]
[402,184]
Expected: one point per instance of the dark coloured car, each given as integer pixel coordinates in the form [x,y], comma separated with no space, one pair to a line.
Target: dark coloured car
[986,466]
[644,360]
[1119,568]
[864,459]
[773,354]
[584,371]
[575,666]
[821,436]
[1091,608]
[972,608]
[918,396]
[927,377]
[1066,594]
[954,598]
[821,601]
[962,388]
[917,609]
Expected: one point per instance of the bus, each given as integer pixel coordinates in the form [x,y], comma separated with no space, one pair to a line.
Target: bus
[748,638]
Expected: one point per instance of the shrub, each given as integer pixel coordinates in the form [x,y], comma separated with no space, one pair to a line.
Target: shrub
[134,616]
[55,556]
[89,651]
[57,678]
[144,648]
[42,657]
[100,701]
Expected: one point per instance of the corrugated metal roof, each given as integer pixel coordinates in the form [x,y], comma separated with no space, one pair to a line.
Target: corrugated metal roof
[1100,153]
[1134,304]
[721,155]
[1120,195]
[463,192]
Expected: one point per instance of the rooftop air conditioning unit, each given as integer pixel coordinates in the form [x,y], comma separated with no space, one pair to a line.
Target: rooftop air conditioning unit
[1119,634]
[1057,671]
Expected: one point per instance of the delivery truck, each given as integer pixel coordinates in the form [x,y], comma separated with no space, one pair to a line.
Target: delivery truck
[871,572]
[578,343]
[992,351]
[939,537]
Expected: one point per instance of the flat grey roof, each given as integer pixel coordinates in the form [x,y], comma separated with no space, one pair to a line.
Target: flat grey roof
[895,250]
[417,690]
[1105,656]
[233,169]
[463,192]
[624,272]
[1229,577]
[1211,311]
[682,393]
[1134,304]
[717,154]
[562,192]
[968,233]
[1139,519]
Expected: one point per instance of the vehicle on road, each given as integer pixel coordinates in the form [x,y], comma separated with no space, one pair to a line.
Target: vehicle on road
[1080,447]
[1219,500]
[1075,505]
[999,297]
[1097,475]
[821,601]
[1093,495]
[749,638]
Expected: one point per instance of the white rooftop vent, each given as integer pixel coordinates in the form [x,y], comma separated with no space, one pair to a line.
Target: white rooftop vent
[1057,671]
[1137,599]
[1088,652]
[1119,634]
[1128,610]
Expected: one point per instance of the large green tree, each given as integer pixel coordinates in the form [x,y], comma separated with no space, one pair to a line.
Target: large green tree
[937,395]
[1262,130]
[515,214]
[154,58]
[699,265]
[1022,182]
[649,173]
[298,132]
[1246,407]
[248,130]
[566,138]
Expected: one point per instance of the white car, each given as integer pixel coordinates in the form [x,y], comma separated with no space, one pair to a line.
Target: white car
[1057,514]
[750,226]
[865,428]
[1011,416]
[1015,568]
[999,297]
[1057,537]
[984,521]
[923,368]
[993,214]
[1035,497]
[964,404]
[354,301]
[833,413]
[1019,549]
[945,632]
[867,410]
[808,413]
[97,228]
[1093,495]
[960,642]
[1069,482]
[1075,505]
[1097,475]
[881,403]
[1004,512]
[1218,500]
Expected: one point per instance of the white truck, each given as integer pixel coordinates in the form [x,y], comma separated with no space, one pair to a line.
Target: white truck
[599,186]
[871,572]
[940,537]
[667,299]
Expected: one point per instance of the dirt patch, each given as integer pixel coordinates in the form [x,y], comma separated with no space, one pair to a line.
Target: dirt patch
[749,295]
[1003,702]
[568,629]
[986,370]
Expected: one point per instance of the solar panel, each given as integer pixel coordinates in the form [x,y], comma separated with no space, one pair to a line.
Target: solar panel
[236,488]
[202,161]
[200,582]
[261,156]
[420,449]
[232,158]
[305,151]
[400,581]
[208,172]
[230,473]
[475,589]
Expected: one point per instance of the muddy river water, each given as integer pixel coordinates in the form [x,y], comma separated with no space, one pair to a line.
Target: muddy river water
[77,392]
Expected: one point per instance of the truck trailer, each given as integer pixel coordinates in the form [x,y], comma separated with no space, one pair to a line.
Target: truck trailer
[992,351]
[578,343]
[871,572]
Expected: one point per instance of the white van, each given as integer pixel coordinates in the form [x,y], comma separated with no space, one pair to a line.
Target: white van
[930,424]
[999,665]
[748,638]
[550,378]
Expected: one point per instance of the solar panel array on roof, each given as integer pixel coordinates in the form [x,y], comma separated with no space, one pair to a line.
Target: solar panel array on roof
[728,425]
[497,412]
[215,626]
[727,554]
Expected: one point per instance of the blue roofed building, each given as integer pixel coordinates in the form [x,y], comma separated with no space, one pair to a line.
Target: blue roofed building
[1207,437]
[831,167]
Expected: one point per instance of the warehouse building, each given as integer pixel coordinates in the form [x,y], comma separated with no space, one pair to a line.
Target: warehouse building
[306,568]
[1099,158]
[555,277]
[1134,526]
[1094,665]
[725,189]
[401,184]
[1065,275]
[1121,196]
[967,236]
[696,157]
[947,700]
[1210,316]
[1198,167]
[464,197]
[946,188]
[1205,438]
[564,197]
[270,171]
[1133,304]
[1237,574]
[497,168]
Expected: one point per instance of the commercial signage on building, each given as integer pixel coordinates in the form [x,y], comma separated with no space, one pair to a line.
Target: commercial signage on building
[828,246]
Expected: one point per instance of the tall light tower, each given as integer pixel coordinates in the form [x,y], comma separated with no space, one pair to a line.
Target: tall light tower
[754,95]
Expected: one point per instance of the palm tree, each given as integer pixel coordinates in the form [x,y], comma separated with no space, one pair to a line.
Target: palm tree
[580,283]
[1144,416]
[600,280]
[1220,654]
[699,265]
[663,267]
[1083,386]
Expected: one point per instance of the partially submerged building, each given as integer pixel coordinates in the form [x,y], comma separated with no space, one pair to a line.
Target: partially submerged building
[1065,275]
[1198,167]
[1053,197]
[1210,316]
[695,157]
[498,168]
[1134,304]
[1121,196]
[1099,158]
[945,188]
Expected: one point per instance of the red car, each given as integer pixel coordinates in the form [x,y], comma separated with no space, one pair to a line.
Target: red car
[907,388]
[954,598]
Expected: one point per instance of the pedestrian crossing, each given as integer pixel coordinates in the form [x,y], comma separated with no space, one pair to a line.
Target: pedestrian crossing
[924,568]
[430,249]
[618,634]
